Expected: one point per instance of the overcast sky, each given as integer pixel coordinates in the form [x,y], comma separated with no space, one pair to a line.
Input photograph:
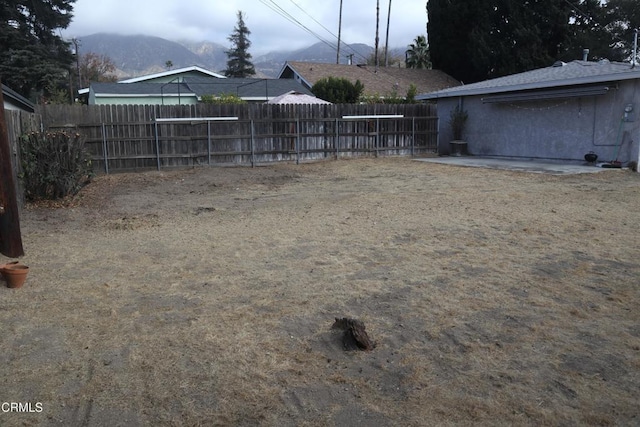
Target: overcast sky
[214,20]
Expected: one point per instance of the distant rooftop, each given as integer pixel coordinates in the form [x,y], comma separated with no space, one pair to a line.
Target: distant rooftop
[171,73]
[381,81]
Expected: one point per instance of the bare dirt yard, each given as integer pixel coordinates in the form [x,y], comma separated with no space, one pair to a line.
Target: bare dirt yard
[206,297]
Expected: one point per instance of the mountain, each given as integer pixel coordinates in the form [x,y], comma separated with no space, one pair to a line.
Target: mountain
[211,53]
[139,55]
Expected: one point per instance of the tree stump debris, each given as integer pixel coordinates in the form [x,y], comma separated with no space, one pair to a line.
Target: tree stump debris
[355,336]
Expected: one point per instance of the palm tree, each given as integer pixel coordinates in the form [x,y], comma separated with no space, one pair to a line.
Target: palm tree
[418,54]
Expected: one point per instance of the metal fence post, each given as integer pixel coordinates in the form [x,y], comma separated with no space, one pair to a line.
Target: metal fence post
[104,148]
[209,142]
[337,140]
[253,160]
[377,135]
[157,145]
[413,136]
[297,141]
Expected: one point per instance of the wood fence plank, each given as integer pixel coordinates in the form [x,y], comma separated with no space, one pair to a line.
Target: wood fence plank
[282,132]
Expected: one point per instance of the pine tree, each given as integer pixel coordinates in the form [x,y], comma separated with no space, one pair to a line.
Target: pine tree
[239,59]
[475,40]
[33,57]
[621,18]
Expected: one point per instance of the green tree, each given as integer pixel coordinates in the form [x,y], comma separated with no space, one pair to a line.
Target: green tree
[33,58]
[474,40]
[418,53]
[338,90]
[621,18]
[239,59]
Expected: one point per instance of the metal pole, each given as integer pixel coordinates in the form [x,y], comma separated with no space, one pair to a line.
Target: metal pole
[297,141]
[437,134]
[104,149]
[253,160]
[337,140]
[209,141]
[413,136]
[157,146]
[377,135]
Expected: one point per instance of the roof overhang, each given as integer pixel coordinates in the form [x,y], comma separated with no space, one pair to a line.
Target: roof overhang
[608,79]
[143,95]
[541,95]
[13,97]
[171,73]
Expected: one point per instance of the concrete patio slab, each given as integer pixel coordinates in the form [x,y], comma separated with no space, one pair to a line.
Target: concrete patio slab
[533,166]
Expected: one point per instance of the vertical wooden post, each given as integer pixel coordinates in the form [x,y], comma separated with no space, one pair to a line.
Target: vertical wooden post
[10,237]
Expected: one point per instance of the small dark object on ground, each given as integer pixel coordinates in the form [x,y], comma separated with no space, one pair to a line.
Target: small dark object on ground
[355,337]
[591,157]
[614,164]
[633,166]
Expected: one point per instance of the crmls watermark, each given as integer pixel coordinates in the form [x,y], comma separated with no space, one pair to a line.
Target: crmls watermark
[21,407]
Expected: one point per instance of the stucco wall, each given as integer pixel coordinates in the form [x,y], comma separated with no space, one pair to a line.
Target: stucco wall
[560,129]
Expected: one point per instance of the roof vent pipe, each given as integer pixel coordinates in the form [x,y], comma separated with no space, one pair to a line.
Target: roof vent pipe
[585,54]
[634,52]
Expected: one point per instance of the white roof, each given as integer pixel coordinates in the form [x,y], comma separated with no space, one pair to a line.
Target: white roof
[293,97]
[173,72]
[164,74]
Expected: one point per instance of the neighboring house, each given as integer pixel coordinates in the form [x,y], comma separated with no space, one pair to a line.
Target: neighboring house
[185,86]
[141,94]
[154,95]
[385,81]
[561,112]
[14,101]
[189,90]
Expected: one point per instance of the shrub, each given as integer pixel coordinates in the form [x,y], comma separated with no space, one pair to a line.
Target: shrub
[457,121]
[225,98]
[54,164]
[338,90]
[391,98]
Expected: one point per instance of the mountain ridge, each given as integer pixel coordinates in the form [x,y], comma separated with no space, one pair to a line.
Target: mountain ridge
[142,54]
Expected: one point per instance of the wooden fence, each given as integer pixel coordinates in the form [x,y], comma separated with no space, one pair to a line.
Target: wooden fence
[19,123]
[126,137]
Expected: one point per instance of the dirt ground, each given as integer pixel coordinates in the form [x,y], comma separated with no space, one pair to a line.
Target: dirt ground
[206,297]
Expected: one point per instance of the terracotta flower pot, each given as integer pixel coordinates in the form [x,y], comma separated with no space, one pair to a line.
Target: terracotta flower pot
[9,264]
[15,274]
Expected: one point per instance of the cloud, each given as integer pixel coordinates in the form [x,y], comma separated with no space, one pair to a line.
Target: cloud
[205,20]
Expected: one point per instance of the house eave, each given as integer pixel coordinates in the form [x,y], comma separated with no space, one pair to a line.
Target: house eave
[172,72]
[16,99]
[541,95]
[609,78]
[144,95]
